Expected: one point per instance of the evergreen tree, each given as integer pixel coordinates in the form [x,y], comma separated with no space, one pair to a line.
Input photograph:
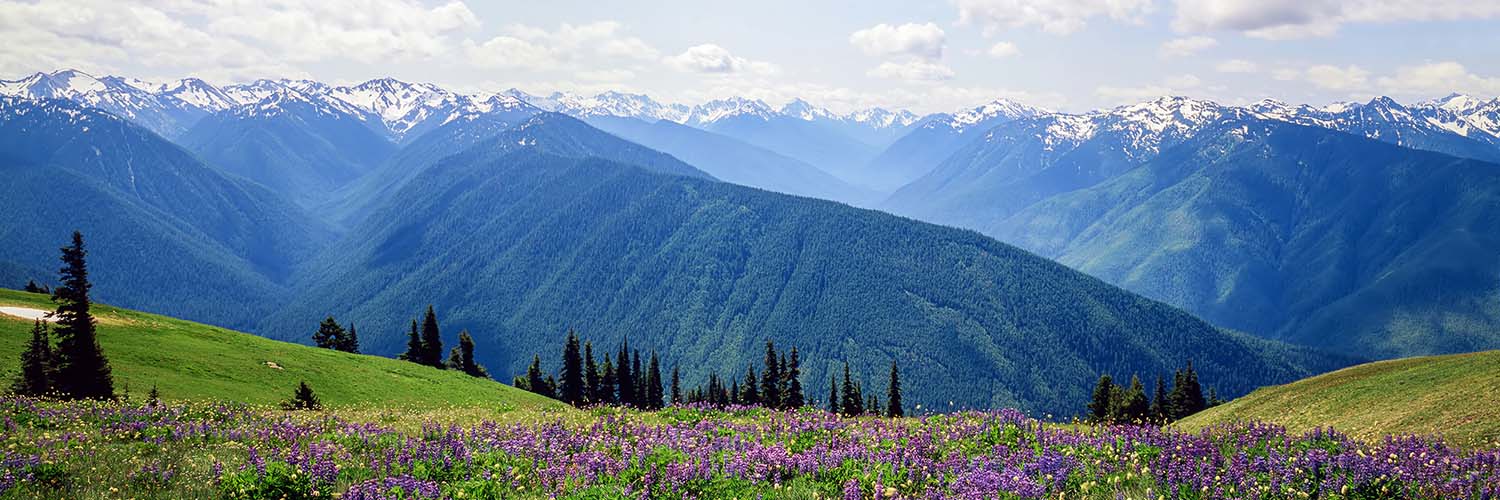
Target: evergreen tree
[640,380]
[432,340]
[32,287]
[607,383]
[676,390]
[653,383]
[749,395]
[571,388]
[551,383]
[81,370]
[1192,396]
[590,374]
[329,335]
[1102,405]
[1134,408]
[833,396]
[154,397]
[893,395]
[736,395]
[623,377]
[793,372]
[1213,398]
[35,378]
[461,357]
[770,382]
[350,341]
[1159,401]
[535,382]
[853,402]
[714,389]
[303,399]
[872,405]
[414,347]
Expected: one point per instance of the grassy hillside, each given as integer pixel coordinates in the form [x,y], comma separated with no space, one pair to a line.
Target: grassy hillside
[1455,395]
[188,360]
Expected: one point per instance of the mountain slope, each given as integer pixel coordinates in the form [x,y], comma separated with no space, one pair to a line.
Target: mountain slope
[733,161]
[1430,128]
[191,361]
[1451,395]
[933,140]
[165,232]
[1312,236]
[519,244]
[303,146]
[1023,161]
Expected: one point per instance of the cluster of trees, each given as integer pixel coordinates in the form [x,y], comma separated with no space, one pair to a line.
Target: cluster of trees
[425,347]
[331,335]
[76,367]
[624,380]
[1113,403]
[32,287]
[778,386]
[852,400]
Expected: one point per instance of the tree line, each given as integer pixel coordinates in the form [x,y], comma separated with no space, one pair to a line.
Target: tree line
[1112,403]
[424,345]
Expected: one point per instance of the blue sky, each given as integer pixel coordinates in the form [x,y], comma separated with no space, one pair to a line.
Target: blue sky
[927,56]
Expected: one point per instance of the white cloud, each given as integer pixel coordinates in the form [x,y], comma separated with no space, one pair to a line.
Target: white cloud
[222,40]
[1175,85]
[1286,19]
[1437,78]
[918,40]
[710,58]
[1286,74]
[1181,47]
[1002,50]
[1332,77]
[913,70]
[1053,16]
[1236,66]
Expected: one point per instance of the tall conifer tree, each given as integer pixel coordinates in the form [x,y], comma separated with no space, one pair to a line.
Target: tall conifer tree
[571,388]
[330,334]
[414,350]
[82,371]
[1102,404]
[770,382]
[749,395]
[350,342]
[853,401]
[35,378]
[432,340]
[608,382]
[893,395]
[590,373]
[653,383]
[676,389]
[794,398]
[623,377]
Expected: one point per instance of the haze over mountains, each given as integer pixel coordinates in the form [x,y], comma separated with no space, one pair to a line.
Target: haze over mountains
[1364,229]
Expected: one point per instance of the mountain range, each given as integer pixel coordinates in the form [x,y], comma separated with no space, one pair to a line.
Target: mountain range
[1362,230]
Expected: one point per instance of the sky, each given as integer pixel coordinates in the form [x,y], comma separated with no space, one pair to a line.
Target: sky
[926,56]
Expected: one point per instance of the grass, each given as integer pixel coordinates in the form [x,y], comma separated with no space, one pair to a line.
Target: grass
[191,361]
[1456,396]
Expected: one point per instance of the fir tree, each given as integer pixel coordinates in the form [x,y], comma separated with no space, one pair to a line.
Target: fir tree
[432,340]
[1134,408]
[154,397]
[607,383]
[1192,396]
[590,374]
[1159,401]
[893,395]
[770,382]
[350,342]
[571,388]
[413,345]
[676,390]
[749,395]
[640,380]
[32,287]
[653,383]
[303,399]
[81,370]
[534,380]
[853,401]
[736,395]
[461,357]
[623,377]
[833,396]
[793,398]
[1102,405]
[329,335]
[35,378]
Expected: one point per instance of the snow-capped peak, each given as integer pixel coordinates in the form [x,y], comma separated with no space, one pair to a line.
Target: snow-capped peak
[999,108]
[197,93]
[803,110]
[719,109]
